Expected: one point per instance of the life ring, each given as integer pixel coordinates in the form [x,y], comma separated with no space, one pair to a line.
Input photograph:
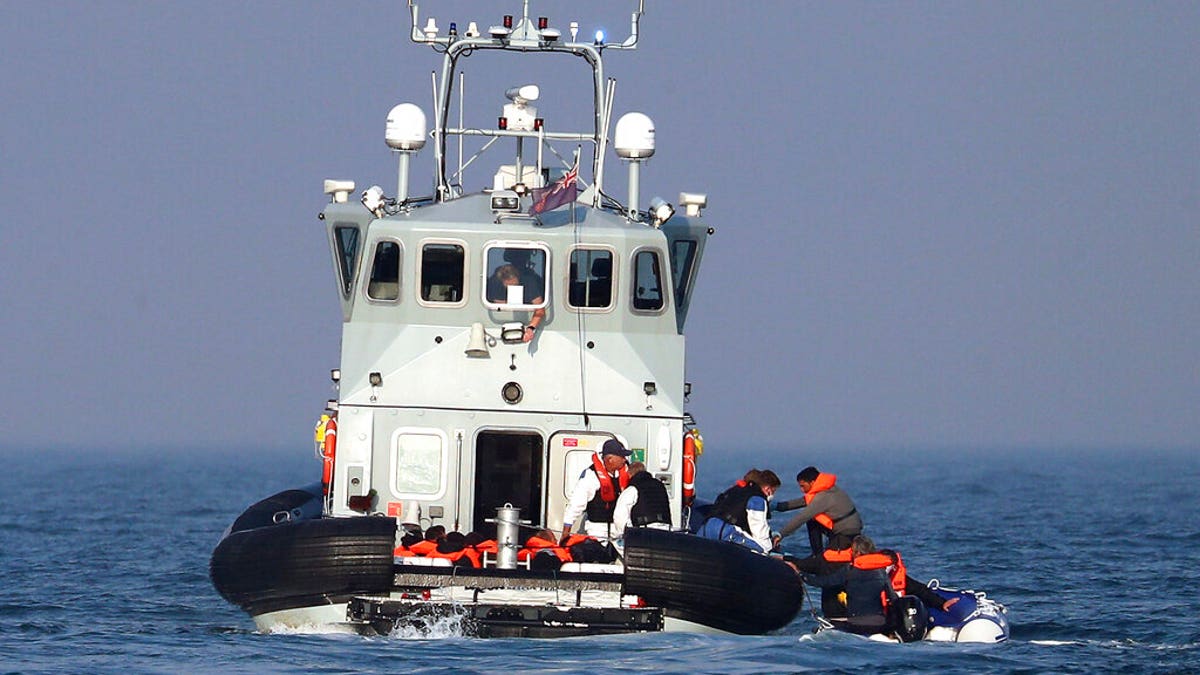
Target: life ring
[328,454]
[693,445]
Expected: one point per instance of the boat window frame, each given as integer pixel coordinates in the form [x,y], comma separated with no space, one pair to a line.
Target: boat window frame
[486,274]
[682,287]
[347,270]
[614,283]
[443,463]
[466,289]
[369,272]
[665,291]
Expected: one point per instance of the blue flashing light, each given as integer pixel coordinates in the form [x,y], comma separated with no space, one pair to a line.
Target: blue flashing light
[600,36]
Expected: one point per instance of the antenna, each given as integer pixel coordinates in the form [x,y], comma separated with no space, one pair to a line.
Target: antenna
[405,134]
[633,140]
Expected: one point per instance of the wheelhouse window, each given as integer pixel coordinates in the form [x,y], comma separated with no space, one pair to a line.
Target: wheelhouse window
[683,258]
[384,283]
[345,238]
[591,279]
[516,277]
[419,464]
[442,273]
[647,282]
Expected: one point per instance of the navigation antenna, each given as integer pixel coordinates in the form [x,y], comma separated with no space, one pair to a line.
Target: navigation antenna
[526,35]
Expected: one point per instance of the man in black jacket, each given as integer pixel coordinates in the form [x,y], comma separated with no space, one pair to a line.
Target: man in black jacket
[644,503]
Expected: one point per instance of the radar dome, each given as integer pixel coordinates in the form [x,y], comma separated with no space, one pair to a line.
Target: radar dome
[634,136]
[405,127]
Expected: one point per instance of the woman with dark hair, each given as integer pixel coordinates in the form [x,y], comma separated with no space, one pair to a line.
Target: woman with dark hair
[740,514]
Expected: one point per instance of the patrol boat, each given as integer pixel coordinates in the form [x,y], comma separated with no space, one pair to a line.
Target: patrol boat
[493,339]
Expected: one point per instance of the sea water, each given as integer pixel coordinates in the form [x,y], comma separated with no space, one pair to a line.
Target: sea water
[104,568]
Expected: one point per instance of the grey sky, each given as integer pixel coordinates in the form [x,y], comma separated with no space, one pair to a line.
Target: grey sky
[937,223]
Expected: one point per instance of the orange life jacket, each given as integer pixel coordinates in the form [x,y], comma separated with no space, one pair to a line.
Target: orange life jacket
[487,546]
[454,556]
[474,556]
[536,544]
[608,492]
[823,482]
[423,547]
[885,560]
[402,551]
[837,555]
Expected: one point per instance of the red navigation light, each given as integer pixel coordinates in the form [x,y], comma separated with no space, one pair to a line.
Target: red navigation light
[543,22]
[503,123]
[537,124]
[508,21]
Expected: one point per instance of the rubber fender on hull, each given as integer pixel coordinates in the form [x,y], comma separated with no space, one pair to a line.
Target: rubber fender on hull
[299,504]
[263,568]
[714,583]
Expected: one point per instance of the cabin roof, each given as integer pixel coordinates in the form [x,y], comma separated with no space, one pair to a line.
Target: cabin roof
[473,213]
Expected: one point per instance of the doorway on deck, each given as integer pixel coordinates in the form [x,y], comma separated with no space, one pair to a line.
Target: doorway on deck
[508,470]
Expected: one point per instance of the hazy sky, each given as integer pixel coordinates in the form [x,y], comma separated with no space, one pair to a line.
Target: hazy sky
[951,223]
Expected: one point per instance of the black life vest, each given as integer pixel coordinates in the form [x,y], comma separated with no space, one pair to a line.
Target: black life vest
[653,505]
[598,510]
[731,505]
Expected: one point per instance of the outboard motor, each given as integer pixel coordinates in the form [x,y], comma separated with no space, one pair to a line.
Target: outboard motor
[910,618]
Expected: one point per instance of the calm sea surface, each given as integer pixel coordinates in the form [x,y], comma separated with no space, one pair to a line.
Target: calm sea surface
[104,563]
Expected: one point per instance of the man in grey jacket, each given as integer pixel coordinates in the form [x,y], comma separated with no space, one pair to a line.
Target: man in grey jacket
[832,519]
[831,516]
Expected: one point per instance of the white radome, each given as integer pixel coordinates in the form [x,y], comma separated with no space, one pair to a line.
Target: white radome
[406,127]
[634,136]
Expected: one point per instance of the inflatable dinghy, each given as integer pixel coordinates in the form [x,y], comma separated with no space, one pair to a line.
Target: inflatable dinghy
[974,618]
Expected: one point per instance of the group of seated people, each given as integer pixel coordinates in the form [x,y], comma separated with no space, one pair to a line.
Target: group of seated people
[541,551]
[860,585]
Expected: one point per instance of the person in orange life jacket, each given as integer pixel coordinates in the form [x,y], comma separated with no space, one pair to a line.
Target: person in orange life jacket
[407,540]
[453,547]
[429,544]
[752,476]
[873,580]
[829,513]
[644,503]
[739,515]
[596,492]
[543,552]
[481,546]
